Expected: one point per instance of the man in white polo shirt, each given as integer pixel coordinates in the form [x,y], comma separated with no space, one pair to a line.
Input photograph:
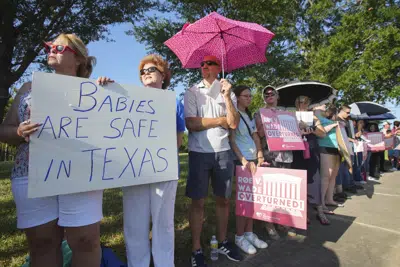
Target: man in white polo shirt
[210,111]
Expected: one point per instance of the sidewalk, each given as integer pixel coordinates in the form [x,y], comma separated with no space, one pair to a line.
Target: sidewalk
[365,233]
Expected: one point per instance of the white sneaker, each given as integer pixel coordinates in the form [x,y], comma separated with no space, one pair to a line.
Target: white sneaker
[393,169]
[253,239]
[371,178]
[245,245]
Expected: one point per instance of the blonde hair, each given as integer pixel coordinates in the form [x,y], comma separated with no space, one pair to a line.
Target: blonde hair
[162,66]
[82,54]
[302,98]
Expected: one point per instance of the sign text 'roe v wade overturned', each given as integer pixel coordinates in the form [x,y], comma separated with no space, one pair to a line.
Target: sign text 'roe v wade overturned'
[95,137]
[281,130]
[272,194]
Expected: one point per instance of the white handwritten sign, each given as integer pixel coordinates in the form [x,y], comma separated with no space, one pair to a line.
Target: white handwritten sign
[95,137]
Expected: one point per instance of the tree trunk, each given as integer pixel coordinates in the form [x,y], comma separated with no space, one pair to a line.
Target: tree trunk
[7,42]
[4,96]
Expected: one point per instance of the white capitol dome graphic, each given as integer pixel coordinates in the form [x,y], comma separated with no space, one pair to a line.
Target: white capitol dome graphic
[283,187]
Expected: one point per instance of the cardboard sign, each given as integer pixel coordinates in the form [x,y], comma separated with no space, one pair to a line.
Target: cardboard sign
[389,143]
[273,195]
[95,137]
[305,116]
[281,130]
[376,141]
[345,148]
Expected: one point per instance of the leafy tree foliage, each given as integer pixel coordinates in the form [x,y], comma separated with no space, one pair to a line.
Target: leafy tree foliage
[25,24]
[353,45]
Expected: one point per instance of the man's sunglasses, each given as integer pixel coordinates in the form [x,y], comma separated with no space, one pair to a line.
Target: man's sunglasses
[209,63]
[149,70]
[57,49]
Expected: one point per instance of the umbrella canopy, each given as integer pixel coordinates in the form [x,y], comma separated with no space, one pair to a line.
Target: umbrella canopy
[236,44]
[384,116]
[368,108]
[319,93]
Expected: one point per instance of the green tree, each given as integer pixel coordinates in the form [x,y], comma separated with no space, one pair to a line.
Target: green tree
[362,57]
[353,45]
[281,17]
[185,145]
[25,24]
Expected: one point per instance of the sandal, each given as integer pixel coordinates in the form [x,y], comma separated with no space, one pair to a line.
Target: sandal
[322,219]
[329,212]
[273,234]
[291,232]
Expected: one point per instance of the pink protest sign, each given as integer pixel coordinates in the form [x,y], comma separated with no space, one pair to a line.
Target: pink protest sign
[389,143]
[273,195]
[377,142]
[281,130]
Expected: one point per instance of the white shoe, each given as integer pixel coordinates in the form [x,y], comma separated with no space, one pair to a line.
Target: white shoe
[362,182]
[255,241]
[245,245]
[371,178]
[393,169]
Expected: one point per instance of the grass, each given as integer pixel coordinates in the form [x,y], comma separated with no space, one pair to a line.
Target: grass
[13,248]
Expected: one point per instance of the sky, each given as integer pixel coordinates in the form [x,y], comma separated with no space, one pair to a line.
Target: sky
[119,60]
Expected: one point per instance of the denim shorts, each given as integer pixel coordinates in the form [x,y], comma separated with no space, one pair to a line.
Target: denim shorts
[218,166]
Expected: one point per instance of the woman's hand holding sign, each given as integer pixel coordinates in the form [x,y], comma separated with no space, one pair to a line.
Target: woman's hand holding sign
[251,166]
[26,128]
[102,80]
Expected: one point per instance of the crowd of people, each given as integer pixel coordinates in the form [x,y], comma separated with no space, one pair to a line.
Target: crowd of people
[223,133]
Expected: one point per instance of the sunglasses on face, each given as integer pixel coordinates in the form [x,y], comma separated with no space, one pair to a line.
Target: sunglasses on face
[149,70]
[57,49]
[269,94]
[209,63]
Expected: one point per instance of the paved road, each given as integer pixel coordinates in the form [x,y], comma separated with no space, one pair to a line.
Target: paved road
[365,233]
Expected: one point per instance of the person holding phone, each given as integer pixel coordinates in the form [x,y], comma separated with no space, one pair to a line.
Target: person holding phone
[246,145]
[312,163]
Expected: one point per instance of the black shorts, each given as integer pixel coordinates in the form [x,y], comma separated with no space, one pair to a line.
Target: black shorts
[329,151]
[219,166]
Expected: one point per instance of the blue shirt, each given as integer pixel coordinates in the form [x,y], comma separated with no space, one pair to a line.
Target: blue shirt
[330,139]
[180,122]
[180,118]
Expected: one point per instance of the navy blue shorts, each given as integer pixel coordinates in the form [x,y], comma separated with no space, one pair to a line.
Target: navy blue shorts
[202,166]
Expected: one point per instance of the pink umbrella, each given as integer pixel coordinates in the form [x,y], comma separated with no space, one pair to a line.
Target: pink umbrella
[236,44]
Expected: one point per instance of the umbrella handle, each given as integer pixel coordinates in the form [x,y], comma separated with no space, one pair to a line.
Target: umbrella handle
[222,56]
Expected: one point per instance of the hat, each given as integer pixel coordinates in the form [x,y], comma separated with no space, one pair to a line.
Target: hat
[212,58]
[269,87]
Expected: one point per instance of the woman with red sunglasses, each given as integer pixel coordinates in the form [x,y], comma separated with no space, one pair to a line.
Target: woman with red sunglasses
[45,220]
